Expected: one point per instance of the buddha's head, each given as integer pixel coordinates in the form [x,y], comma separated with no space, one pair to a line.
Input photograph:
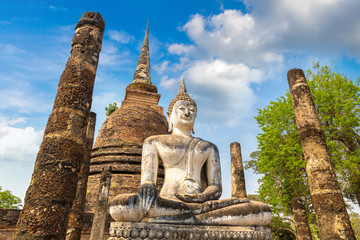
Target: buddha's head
[182,111]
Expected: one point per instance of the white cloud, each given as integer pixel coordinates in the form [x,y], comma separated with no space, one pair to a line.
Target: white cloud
[223,89]
[23,64]
[4,121]
[120,36]
[111,56]
[184,63]
[275,28]
[24,101]
[322,27]
[160,68]
[11,49]
[233,50]
[231,36]
[18,144]
[180,49]
[165,82]
[57,8]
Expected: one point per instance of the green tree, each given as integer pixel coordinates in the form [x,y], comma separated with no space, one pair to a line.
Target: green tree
[111,108]
[337,100]
[282,227]
[355,222]
[7,200]
[280,158]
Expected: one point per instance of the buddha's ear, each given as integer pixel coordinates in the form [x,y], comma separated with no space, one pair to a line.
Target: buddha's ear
[170,127]
[169,122]
[192,130]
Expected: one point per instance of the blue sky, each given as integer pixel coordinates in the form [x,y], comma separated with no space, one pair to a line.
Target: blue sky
[234,56]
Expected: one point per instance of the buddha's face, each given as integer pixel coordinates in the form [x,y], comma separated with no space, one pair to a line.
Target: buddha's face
[183,115]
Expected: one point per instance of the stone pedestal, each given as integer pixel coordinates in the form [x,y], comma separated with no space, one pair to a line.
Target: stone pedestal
[129,230]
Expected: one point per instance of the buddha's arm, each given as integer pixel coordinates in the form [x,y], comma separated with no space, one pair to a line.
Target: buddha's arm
[149,169]
[213,174]
[149,162]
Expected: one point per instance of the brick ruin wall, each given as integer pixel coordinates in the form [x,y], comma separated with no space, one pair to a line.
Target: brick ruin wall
[9,217]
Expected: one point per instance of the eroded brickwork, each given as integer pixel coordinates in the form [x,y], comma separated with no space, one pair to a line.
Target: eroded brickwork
[238,187]
[121,137]
[8,219]
[54,181]
[119,144]
[303,231]
[330,209]
[76,215]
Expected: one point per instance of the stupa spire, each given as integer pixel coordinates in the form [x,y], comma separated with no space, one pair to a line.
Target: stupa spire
[142,73]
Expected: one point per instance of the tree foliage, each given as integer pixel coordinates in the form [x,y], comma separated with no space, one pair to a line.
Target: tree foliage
[280,158]
[355,223]
[337,100]
[281,227]
[111,108]
[7,200]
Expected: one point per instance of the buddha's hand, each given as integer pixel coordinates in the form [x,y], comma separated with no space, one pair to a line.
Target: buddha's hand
[212,192]
[192,198]
[147,195]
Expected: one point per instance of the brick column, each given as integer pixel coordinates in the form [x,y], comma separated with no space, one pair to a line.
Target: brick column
[54,181]
[330,209]
[238,188]
[301,220]
[98,225]
[76,216]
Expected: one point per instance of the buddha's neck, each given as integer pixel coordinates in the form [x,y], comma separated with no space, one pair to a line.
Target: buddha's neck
[177,131]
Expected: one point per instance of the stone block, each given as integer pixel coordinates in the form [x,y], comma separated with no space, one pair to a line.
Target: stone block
[128,230]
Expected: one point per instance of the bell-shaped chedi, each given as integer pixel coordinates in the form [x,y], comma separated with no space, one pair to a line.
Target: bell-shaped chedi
[119,142]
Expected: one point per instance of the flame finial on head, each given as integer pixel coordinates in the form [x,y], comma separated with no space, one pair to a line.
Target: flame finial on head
[182,95]
[182,87]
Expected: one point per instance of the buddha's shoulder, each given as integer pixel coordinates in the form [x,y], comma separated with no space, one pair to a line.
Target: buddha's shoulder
[169,139]
[204,144]
[158,138]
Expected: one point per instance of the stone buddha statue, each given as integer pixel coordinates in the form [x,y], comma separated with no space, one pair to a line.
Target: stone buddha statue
[192,185]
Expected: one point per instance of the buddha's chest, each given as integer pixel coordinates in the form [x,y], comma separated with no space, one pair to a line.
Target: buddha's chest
[181,153]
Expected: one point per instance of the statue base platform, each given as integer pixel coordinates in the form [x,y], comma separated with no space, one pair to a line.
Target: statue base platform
[131,230]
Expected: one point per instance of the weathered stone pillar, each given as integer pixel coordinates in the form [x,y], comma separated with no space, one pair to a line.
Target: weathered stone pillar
[54,181]
[76,216]
[98,226]
[238,188]
[301,220]
[330,210]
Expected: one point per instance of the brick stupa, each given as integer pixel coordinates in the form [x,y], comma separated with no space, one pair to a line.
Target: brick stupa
[120,139]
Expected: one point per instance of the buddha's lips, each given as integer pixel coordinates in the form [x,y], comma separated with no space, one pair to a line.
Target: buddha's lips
[185,117]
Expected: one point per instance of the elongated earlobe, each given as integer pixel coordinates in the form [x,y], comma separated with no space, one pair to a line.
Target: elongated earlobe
[170,127]
[169,122]
[192,130]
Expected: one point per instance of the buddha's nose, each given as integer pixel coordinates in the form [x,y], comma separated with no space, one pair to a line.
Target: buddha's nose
[186,112]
